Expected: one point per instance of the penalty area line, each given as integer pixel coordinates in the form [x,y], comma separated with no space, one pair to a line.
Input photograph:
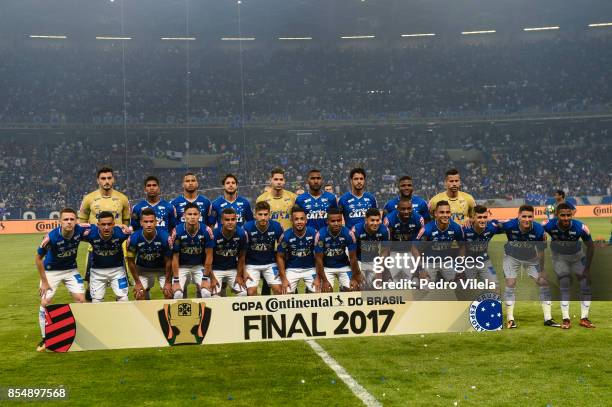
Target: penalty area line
[357,389]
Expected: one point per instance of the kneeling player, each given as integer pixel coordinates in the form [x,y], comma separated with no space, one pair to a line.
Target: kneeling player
[193,255]
[525,248]
[568,258]
[59,250]
[229,254]
[477,238]
[107,261]
[369,235]
[331,246]
[295,254]
[262,236]
[150,257]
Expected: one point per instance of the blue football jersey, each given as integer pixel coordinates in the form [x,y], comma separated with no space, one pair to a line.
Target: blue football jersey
[203,203]
[438,242]
[566,241]
[354,208]
[334,247]
[164,212]
[107,253]
[316,208]
[404,231]
[419,205]
[369,245]
[227,249]
[60,253]
[192,248]
[241,205]
[523,245]
[477,244]
[298,251]
[261,247]
[150,254]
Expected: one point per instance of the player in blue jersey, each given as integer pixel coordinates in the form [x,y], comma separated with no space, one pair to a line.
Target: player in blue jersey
[404,224]
[295,254]
[231,199]
[56,261]
[316,201]
[107,262]
[263,235]
[569,258]
[150,257]
[525,248]
[229,254]
[331,260]
[406,190]
[371,236]
[164,210]
[190,195]
[192,257]
[354,204]
[477,238]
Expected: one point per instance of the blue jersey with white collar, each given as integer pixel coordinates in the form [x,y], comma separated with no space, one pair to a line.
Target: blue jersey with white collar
[150,254]
[107,253]
[404,231]
[241,205]
[164,213]
[419,205]
[192,248]
[334,247]
[227,249]
[566,241]
[316,208]
[477,244]
[438,242]
[369,244]
[261,246]
[523,245]
[203,203]
[298,250]
[354,208]
[61,253]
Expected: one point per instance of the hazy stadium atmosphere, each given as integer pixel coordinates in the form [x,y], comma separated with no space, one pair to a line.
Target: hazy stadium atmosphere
[516,95]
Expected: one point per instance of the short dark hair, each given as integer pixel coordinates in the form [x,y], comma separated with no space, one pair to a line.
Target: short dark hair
[147,212]
[297,209]
[191,205]
[334,211]
[561,193]
[404,178]
[372,212]
[68,210]
[228,211]
[563,205]
[230,175]
[105,214]
[151,178]
[357,170]
[188,174]
[441,203]
[452,171]
[277,170]
[480,209]
[404,199]
[103,170]
[313,170]
[528,208]
[262,205]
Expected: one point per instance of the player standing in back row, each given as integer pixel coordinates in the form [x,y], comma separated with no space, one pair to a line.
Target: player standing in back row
[461,203]
[231,199]
[355,204]
[190,195]
[316,202]
[165,213]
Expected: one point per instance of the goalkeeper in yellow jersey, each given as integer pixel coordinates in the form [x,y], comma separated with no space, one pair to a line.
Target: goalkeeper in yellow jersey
[104,199]
[461,203]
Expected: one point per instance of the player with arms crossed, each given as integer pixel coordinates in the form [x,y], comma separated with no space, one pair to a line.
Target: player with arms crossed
[316,202]
[108,262]
[263,235]
[370,236]
[231,199]
[354,204]
[525,248]
[193,244]
[165,213]
[406,190]
[477,238]
[295,254]
[56,263]
[150,257]
[568,258]
[462,204]
[229,254]
[190,195]
[331,245]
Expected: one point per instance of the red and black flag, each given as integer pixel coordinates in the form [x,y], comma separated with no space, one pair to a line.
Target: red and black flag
[60,327]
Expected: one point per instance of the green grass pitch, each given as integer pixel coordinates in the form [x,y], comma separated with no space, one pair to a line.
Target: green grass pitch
[532,365]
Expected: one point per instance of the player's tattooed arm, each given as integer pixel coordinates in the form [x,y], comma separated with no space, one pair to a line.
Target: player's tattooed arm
[139,292]
[175,272]
[241,274]
[280,261]
[167,289]
[357,277]
[320,283]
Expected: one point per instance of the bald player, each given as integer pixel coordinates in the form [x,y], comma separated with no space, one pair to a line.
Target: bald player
[461,203]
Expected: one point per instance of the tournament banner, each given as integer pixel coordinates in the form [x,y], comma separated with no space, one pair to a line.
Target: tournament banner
[582,211]
[13,227]
[160,323]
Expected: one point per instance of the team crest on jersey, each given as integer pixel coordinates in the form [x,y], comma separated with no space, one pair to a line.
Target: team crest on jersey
[60,327]
[184,322]
[486,312]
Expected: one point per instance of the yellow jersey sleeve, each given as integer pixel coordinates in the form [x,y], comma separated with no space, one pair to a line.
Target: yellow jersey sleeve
[85,209]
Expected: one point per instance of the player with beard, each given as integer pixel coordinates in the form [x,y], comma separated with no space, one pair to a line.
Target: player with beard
[461,203]
[406,190]
[354,204]
[316,202]
[165,213]
[190,195]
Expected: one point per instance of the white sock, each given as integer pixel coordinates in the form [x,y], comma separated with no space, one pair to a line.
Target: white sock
[584,308]
[565,309]
[547,309]
[42,321]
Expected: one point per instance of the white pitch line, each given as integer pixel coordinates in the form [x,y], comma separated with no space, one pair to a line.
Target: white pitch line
[357,389]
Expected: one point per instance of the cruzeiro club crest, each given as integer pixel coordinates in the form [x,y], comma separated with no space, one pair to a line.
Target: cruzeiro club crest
[486,312]
[184,322]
